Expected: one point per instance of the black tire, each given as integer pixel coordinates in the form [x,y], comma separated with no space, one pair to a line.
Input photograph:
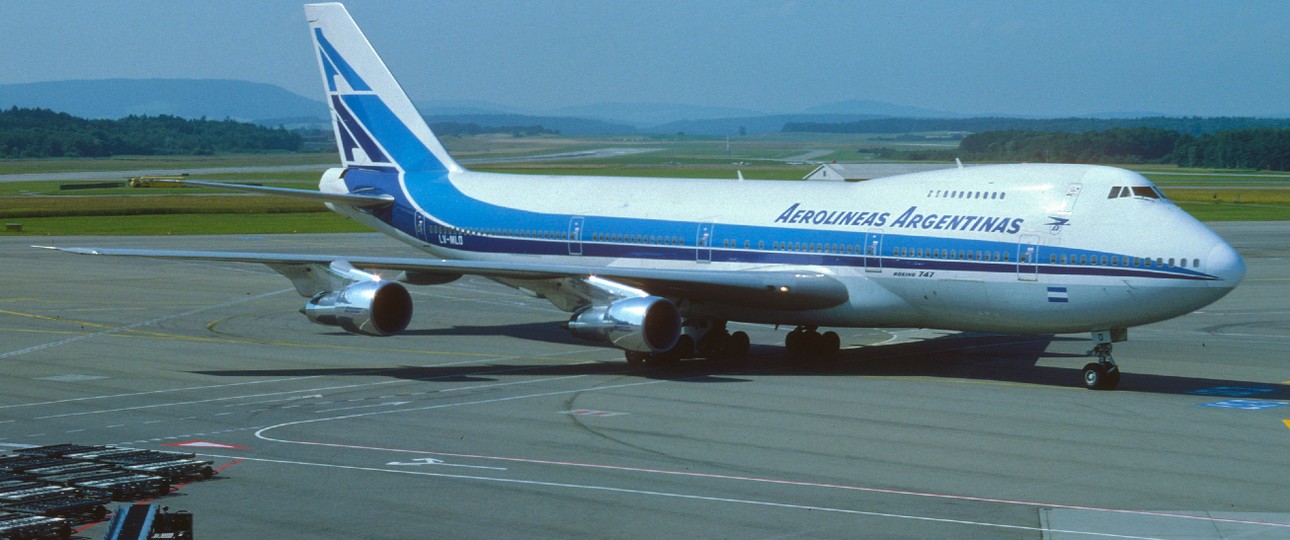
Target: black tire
[1112,378]
[739,344]
[684,347]
[1095,377]
[635,357]
[795,342]
[829,343]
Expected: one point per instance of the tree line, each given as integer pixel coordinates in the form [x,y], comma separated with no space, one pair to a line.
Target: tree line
[1262,149]
[42,133]
[466,129]
[1192,125]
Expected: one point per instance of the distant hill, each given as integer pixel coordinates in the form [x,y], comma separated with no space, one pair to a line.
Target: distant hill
[749,125]
[564,125]
[1192,125]
[462,106]
[652,114]
[865,107]
[215,99]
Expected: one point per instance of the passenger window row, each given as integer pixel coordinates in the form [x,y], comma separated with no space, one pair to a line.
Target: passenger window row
[1114,260]
[955,194]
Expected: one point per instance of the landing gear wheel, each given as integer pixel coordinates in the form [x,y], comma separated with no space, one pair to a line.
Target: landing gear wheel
[1104,374]
[635,358]
[806,340]
[739,344]
[684,347]
[795,342]
[1112,378]
[1094,376]
[829,344]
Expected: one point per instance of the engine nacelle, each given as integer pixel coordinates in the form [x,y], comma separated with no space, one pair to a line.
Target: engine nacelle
[644,324]
[374,308]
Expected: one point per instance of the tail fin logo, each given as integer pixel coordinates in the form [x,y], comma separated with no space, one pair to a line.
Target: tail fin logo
[334,65]
[376,124]
[357,147]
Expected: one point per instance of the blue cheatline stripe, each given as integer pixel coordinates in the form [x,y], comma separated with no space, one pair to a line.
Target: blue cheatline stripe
[351,77]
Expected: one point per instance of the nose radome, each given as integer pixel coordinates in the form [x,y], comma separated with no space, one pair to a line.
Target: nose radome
[1225,264]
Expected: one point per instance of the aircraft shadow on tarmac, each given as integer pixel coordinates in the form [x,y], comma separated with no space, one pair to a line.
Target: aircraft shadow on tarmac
[545,332]
[985,357]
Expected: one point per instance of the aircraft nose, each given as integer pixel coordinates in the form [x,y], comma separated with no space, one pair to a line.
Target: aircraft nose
[1226,264]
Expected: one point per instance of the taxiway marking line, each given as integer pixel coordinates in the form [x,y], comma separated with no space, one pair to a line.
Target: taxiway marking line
[261,433]
[390,404]
[689,496]
[126,328]
[316,389]
[1287,422]
[270,381]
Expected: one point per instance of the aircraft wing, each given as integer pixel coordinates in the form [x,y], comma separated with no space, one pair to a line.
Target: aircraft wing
[352,199]
[777,289]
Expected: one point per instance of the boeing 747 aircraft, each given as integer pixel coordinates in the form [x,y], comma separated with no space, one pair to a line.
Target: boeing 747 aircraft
[658,267]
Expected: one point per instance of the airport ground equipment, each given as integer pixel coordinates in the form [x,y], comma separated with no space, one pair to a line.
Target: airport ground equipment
[149,522]
[45,490]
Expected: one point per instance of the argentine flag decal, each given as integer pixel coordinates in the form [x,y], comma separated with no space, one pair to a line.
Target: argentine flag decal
[1057,294]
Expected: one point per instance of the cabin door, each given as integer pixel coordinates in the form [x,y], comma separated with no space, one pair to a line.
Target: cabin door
[703,240]
[575,235]
[1028,257]
[873,250]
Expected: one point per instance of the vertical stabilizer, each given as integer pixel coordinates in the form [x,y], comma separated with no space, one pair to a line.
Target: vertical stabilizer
[375,123]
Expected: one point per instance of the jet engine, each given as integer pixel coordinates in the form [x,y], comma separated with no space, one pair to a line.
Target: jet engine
[374,308]
[643,324]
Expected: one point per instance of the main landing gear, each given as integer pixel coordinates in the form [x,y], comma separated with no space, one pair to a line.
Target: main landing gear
[702,338]
[1104,374]
[808,340]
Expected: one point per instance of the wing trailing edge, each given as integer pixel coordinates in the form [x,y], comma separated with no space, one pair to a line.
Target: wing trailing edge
[359,200]
[780,289]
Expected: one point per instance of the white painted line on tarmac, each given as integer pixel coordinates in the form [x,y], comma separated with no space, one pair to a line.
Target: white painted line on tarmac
[389,404]
[688,496]
[280,400]
[438,462]
[127,328]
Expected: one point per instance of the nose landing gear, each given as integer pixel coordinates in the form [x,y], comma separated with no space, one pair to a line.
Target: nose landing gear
[1104,374]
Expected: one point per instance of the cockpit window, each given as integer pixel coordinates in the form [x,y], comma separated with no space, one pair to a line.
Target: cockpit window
[1145,191]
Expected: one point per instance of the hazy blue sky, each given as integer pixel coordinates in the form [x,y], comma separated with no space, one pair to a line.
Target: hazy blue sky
[1032,57]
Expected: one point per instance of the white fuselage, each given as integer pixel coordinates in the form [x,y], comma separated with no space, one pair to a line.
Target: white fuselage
[1008,248]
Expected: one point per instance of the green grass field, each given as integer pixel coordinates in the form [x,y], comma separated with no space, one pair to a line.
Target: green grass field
[42,208]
